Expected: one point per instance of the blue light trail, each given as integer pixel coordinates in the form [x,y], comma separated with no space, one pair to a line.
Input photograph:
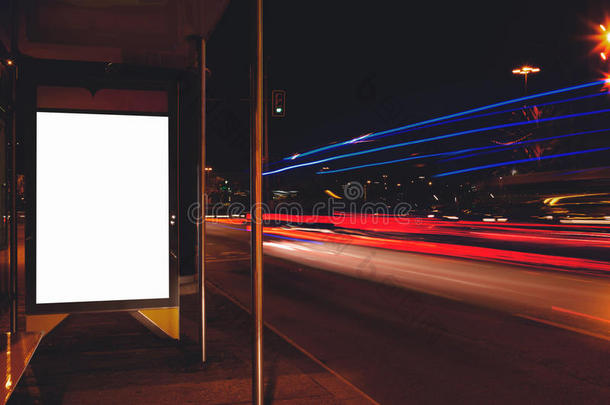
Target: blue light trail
[446,117]
[514,162]
[392,161]
[458,152]
[500,148]
[434,138]
[567,100]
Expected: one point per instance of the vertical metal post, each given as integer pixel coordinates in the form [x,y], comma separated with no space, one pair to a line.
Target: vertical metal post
[14,242]
[202,204]
[13,271]
[256,184]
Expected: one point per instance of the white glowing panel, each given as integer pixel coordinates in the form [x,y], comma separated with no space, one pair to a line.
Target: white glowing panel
[102,207]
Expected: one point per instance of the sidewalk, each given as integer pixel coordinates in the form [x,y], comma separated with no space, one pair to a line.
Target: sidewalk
[110,358]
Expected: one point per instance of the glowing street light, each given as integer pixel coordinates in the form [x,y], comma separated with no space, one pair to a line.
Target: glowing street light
[607,34]
[603,47]
[525,71]
[605,42]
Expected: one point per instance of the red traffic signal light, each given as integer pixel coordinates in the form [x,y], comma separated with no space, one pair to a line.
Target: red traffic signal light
[278,103]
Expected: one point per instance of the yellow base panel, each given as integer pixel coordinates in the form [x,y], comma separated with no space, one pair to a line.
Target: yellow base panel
[163,322]
[43,323]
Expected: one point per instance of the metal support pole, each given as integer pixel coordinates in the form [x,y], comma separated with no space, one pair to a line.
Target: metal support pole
[13,271]
[202,204]
[14,242]
[256,184]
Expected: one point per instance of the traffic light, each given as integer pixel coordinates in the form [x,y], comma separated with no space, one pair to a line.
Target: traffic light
[278,103]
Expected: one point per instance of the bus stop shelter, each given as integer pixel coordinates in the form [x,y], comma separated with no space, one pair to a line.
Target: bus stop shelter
[131,67]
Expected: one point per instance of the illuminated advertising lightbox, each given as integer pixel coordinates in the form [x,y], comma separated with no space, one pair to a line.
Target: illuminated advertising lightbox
[102,208]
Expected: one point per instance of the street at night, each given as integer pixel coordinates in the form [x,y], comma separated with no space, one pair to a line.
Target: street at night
[270,202]
[437,329]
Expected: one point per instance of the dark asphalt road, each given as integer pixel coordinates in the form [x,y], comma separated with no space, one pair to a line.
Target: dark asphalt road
[405,347]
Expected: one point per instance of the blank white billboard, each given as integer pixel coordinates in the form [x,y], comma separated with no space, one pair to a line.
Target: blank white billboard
[102,207]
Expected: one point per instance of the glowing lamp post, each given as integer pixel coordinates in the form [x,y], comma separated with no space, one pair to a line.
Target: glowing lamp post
[525,71]
[605,42]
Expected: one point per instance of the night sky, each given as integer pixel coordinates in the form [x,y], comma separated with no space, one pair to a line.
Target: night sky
[354,67]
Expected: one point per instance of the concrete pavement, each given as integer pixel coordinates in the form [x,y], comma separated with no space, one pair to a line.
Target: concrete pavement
[108,358]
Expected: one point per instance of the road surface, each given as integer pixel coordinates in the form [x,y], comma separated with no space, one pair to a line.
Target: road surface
[419,328]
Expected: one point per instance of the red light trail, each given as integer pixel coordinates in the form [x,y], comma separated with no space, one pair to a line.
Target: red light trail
[562,236]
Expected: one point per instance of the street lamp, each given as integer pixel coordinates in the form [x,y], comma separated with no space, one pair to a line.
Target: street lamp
[605,42]
[603,47]
[606,33]
[525,70]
